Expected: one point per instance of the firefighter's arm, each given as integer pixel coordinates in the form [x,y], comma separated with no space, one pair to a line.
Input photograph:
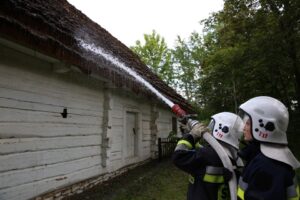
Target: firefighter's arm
[188,156]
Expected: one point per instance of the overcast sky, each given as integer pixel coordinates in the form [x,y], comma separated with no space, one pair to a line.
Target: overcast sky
[129,20]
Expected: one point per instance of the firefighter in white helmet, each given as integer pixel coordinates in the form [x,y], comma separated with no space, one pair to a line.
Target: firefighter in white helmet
[270,170]
[208,178]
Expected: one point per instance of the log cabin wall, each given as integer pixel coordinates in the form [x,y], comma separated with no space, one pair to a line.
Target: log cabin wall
[62,131]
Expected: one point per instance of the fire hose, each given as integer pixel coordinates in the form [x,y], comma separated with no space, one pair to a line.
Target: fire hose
[218,148]
[226,163]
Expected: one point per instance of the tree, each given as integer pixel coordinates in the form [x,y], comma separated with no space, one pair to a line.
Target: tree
[155,53]
[187,58]
[252,48]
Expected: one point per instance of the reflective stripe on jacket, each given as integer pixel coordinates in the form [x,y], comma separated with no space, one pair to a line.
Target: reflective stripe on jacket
[267,179]
[212,175]
[205,169]
[292,192]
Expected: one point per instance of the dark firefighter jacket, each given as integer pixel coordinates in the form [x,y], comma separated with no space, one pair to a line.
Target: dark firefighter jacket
[266,179]
[207,175]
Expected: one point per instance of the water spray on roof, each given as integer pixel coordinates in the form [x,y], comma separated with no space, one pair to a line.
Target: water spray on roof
[116,62]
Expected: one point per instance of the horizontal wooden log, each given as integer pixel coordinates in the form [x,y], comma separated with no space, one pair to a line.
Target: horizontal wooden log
[40,97]
[52,108]
[17,115]
[30,190]
[40,158]
[47,129]
[29,175]
[19,145]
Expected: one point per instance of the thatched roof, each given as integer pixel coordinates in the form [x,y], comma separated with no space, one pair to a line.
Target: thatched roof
[55,28]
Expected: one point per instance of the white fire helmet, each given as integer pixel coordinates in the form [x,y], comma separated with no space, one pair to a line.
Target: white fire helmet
[227,127]
[269,120]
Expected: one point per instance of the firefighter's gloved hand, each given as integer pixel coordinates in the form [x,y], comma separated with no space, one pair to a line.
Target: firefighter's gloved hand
[227,174]
[197,129]
[183,129]
[184,125]
[184,120]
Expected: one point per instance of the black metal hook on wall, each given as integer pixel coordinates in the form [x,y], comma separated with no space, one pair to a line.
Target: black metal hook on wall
[64,114]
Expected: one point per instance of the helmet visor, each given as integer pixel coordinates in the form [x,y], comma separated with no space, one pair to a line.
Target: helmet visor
[244,116]
[238,125]
[246,125]
[211,125]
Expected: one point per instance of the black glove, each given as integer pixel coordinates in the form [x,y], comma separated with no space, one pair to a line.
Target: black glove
[227,174]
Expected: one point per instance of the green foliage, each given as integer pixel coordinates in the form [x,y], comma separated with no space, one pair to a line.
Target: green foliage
[187,57]
[249,48]
[156,55]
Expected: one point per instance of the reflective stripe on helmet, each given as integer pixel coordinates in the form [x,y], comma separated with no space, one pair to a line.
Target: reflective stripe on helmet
[183,145]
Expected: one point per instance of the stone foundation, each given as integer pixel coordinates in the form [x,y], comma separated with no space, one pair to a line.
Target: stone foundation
[79,187]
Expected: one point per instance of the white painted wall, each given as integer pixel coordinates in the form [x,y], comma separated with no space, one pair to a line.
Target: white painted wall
[164,123]
[39,150]
[123,103]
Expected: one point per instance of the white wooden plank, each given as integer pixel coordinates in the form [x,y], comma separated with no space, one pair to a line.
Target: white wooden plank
[18,145]
[30,190]
[146,131]
[117,129]
[33,159]
[64,99]
[44,84]
[47,129]
[117,155]
[15,115]
[38,106]
[146,125]
[117,113]
[116,139]
[117,121]
[146,118]
[116,146]
[146,137]
[19,177]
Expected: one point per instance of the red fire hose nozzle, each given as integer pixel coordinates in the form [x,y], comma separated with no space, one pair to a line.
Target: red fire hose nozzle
[178,111]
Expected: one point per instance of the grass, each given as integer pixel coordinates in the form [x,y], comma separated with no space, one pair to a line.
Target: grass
[153,181]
